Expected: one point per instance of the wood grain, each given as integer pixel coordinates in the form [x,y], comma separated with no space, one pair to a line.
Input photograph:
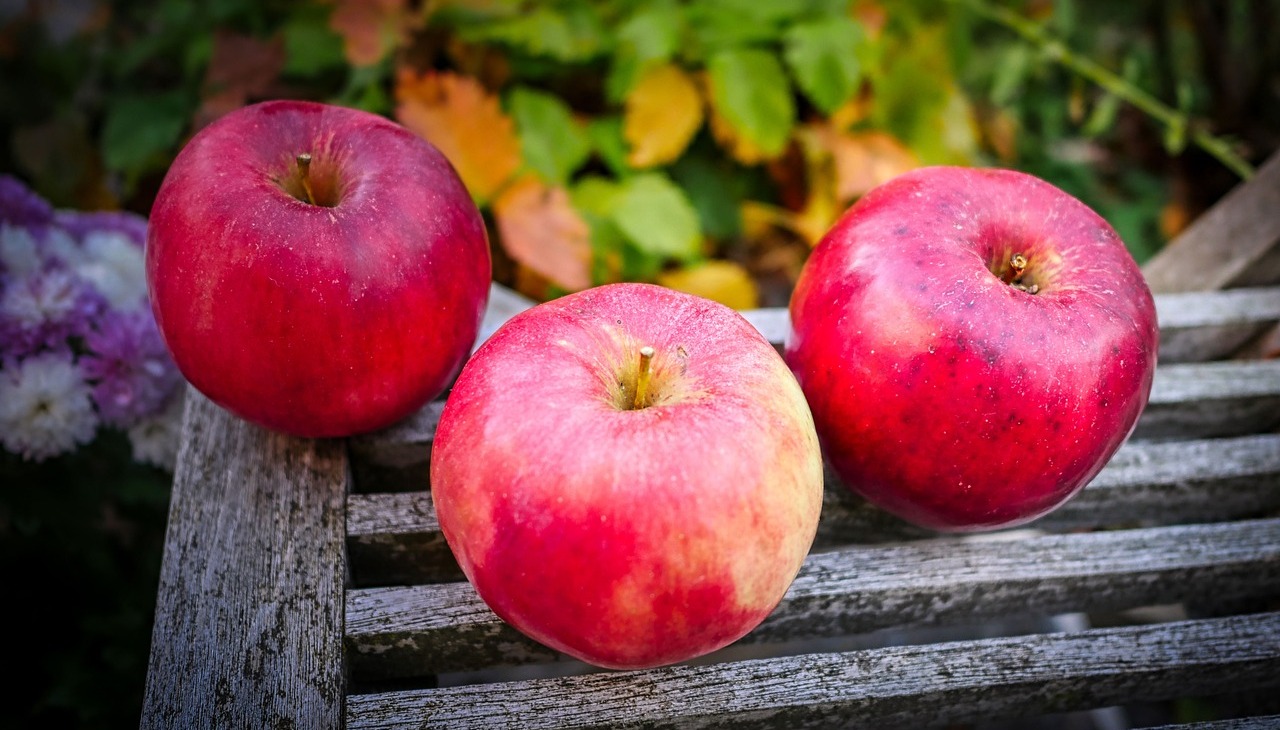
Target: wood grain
[249,616]
[1234,243]
[915,686]
[428,629]
[395,538]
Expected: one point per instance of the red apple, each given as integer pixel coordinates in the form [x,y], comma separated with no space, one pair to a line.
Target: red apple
[314,269]
[947,387]
[628,530]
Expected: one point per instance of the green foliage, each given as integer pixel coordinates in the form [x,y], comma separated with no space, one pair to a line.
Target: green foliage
[823,56]
[751,90]
[552,142]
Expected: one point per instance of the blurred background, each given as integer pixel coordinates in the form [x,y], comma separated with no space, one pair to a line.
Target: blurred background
[705,146]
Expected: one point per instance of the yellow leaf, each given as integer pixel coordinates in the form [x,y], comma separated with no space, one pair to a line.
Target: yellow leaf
[467,124]
[662,114]
[370,29]
[720,281]
[540,229]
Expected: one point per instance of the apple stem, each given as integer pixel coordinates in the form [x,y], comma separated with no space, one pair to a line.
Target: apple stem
[1019,264]
[304,169]
[642,379]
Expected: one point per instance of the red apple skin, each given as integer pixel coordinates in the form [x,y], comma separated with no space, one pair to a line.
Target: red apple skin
[316,320]
[943,394]
[628,538]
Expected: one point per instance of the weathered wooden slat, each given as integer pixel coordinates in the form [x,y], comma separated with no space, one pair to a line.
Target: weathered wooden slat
[249,616]
[395,538]
[1146,483]
[1194,326]
[916,686]
[1270,722]
[1188,401]
[1212,399]
[1200,326]
[393,632]
[1235,243]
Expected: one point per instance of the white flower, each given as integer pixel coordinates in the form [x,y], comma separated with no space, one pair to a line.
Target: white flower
[61,246]
[18,251]
[45,407]
[155,438]
[116,268]
[38,299]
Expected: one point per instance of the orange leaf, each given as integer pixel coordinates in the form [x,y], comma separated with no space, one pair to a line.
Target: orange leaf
[462,119]
[720,281]
[540,229]
[370,29]
[864,160]
[662,114]
[240,68]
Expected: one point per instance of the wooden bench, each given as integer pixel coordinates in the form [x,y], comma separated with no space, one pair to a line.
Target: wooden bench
[306,583]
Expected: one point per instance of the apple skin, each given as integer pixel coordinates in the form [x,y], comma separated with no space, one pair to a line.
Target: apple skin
[316,320]
[628,538]
[945,395]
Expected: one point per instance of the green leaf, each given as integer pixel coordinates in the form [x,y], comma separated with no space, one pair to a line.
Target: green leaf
[596,196]
[651,35]
[823,58]
[606,138]
[1010,75]
[712,190]
[655,215]
[311,47]
[553,143]
[751,91]
[576,34]
[719,26]
[139,129]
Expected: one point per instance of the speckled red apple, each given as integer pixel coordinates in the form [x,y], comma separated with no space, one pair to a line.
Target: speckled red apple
[628,530]
[316,270]
[975,345]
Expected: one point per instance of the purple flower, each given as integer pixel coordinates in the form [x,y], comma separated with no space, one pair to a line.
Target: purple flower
[79,225]
[19,206]
[129,367]
[43,310]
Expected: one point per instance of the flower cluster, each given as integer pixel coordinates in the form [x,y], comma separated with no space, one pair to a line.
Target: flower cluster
[79,348]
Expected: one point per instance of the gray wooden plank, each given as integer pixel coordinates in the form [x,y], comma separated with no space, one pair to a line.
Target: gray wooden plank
[916,686]
[1234,243]
[249,615]
[1269,722]
[1200,326]
[1212,399]
[395,537]
[1194,326]
[404,631]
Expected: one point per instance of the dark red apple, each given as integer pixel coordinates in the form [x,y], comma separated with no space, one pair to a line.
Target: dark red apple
[975,345]
[314,269]
[628,475]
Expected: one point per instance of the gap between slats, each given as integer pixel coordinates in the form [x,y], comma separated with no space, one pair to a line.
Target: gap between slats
[956,682]
[428,629]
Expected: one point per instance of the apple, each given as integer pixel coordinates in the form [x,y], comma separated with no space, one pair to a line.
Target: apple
[317,270]
[628,475]
[975,345]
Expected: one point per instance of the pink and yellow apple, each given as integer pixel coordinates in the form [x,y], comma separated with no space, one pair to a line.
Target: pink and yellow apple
[314,269]
[628,475]
[975,345]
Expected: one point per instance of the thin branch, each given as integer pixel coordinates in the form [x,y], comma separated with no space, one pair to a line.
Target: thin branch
[1178,123]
